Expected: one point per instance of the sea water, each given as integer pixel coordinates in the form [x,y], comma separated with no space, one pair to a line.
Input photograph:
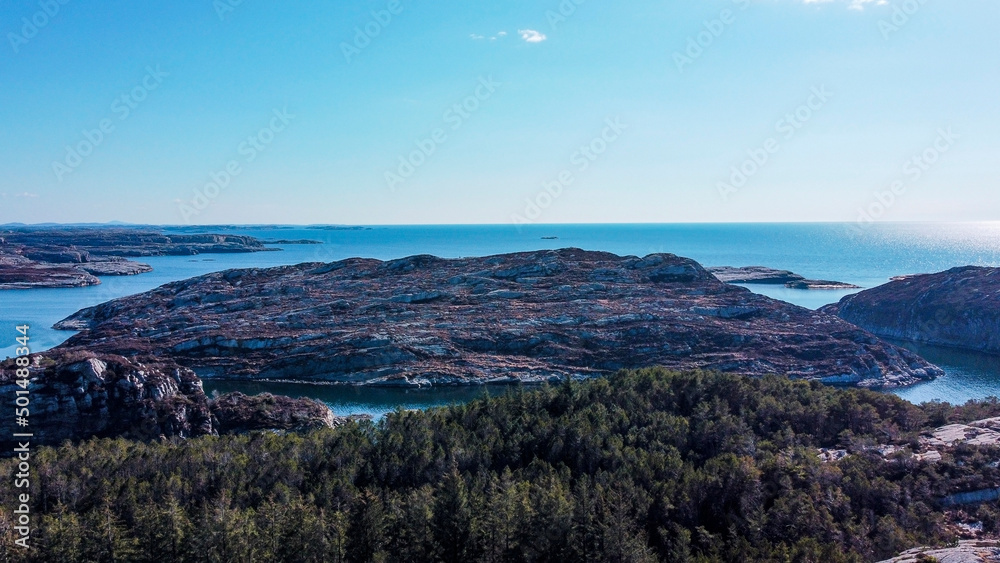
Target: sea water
[864,255]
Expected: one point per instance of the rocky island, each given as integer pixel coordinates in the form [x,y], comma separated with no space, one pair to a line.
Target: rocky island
[531,316]
[770,276]
[74,256]
[959,308]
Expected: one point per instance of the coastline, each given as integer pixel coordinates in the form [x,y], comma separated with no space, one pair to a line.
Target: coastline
[718,244]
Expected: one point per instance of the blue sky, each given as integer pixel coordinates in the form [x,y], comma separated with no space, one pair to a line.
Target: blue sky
[499,112]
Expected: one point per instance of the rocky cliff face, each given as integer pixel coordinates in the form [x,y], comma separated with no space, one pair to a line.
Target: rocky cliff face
[958,308]
[518,317]
[77,395]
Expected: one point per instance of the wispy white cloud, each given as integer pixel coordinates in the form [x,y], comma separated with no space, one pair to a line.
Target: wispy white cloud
[22,194]
[502,34]
[532,36]
[853,4]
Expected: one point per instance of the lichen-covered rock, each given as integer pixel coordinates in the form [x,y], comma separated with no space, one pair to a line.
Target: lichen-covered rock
[969,551]
[959,308]
[530,316]
[238,413]
[76,395]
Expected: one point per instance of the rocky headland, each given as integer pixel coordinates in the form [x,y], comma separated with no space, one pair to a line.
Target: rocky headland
[18,272]
[78,395]
[958,308]
[770,276]
[74,257]
[532,316]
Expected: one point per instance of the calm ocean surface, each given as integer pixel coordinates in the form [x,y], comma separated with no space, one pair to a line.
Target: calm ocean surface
[819,251]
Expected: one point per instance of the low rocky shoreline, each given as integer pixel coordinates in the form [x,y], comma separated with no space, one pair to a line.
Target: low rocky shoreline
[770,276]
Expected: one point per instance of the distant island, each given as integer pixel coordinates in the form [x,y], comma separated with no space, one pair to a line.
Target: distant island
[770,276]
[33,257]
[294,241]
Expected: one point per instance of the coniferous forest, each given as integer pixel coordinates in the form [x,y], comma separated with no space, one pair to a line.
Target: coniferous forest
[642,466]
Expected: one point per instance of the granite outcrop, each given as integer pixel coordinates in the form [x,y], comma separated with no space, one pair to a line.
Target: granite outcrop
[958,308]
[524,317]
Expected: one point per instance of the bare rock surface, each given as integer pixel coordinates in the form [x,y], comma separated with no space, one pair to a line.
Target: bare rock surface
[770,276]
[969,551]
[529,316]
[754,274]
[115,267]
[958,308]
[975,433]
[18,272]
[76,395]
[237,413]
